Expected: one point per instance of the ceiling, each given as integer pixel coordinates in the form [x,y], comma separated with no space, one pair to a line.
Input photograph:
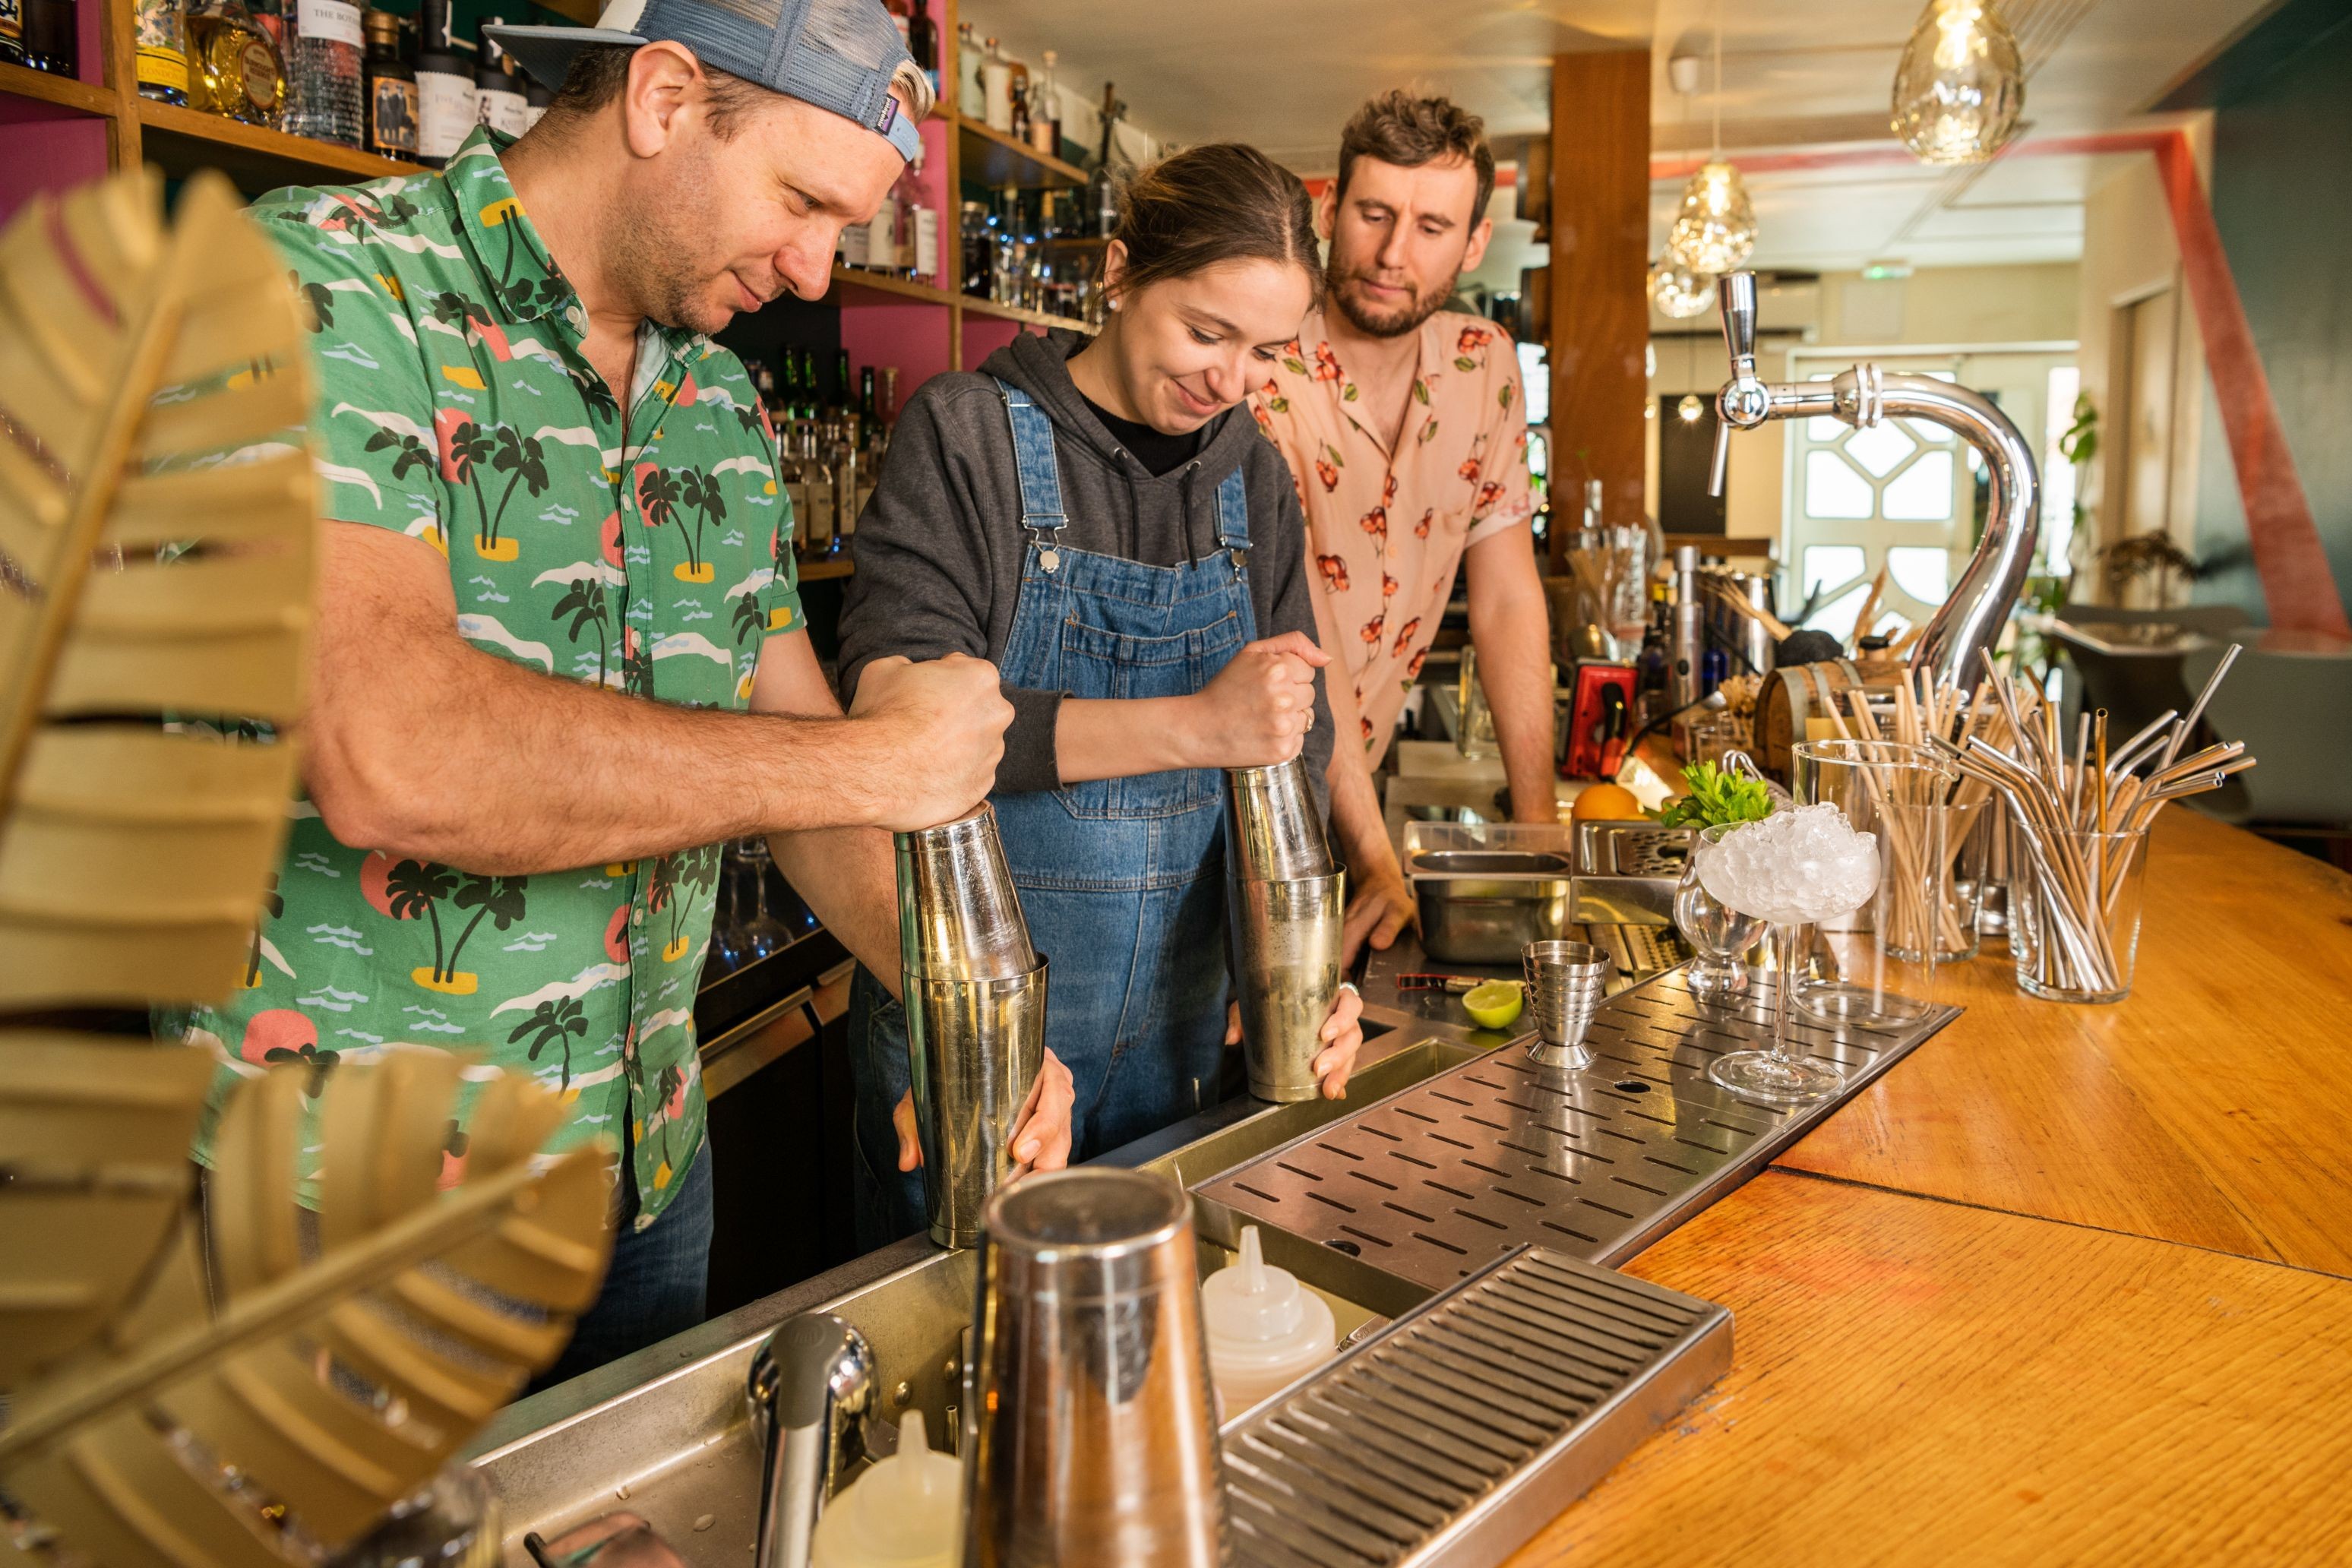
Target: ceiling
[1805,82]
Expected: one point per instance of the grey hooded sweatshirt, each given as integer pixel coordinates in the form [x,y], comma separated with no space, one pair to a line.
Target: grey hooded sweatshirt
[939,547]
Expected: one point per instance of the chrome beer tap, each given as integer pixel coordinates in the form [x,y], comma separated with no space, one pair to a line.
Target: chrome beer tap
[1971,617]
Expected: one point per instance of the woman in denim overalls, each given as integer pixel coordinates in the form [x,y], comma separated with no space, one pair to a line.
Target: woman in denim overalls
[1094,517]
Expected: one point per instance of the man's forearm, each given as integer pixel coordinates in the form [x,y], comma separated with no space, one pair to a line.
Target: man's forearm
[1355,801]
[1514,642]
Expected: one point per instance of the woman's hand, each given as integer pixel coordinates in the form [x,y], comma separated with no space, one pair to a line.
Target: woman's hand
[1342,1034]
[1041,1138]
[1256,711]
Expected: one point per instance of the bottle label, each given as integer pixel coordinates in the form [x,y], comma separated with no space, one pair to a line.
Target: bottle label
[391,112]
[11,22]
[501,111]
[854,245]
[445,113]
[926,261]
[335,21]
[264,86]
[162,67]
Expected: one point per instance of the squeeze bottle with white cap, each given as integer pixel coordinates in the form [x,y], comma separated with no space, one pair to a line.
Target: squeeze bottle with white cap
[904,1512]
[1266,1329]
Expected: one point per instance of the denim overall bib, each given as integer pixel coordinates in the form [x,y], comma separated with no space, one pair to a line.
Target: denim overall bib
[1122,880]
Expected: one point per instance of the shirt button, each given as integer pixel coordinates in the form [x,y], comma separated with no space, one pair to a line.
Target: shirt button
[637,917]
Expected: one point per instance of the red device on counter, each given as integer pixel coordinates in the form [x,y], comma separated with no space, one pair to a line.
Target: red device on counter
[1600,722]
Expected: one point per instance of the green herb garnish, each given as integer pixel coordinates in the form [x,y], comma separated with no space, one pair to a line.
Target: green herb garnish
[1716,797]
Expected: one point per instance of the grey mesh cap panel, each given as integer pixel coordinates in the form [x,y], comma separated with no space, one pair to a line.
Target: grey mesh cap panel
[838,55]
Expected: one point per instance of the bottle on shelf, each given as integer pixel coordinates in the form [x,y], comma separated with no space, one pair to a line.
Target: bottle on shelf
[498,90]
[51,41]
[970,95]
[843,387]
[816,483]
[996,86]
[1102,185]
[1019,89]
[163,58]
[923,41]
[1046,111]
[886,412]
[324,52]
[270,19]
[919,224]
[237,72]
[791,481]
[446,115]
[536,102]
[979,249]
[12,32]
[851,481]
[391,89]
[866,398]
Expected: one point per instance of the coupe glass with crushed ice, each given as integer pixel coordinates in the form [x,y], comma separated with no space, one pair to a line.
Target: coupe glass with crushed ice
[1791,868]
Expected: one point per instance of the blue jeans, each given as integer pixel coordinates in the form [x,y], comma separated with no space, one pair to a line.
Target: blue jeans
[655,1285]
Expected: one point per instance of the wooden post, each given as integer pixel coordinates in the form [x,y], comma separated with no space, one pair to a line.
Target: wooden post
[1600,270]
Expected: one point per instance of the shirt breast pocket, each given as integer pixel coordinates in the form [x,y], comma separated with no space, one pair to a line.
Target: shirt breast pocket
[1115,664]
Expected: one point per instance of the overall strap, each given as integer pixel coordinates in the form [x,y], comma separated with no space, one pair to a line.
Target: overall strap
[1039,476]
[1233,518]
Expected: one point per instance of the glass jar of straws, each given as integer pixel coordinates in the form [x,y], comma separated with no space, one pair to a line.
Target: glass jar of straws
[2075,900]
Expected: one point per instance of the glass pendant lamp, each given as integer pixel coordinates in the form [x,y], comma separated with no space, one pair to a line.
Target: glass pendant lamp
[1678,292]
[1960,87]
[1714,229]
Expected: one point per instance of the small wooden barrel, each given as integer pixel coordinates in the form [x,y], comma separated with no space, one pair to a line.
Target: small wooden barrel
[1798,701]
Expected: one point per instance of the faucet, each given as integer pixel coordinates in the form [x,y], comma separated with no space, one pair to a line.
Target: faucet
[1971,615]
[810,1390]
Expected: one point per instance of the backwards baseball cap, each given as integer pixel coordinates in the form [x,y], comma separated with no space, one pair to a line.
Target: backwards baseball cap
[839,54]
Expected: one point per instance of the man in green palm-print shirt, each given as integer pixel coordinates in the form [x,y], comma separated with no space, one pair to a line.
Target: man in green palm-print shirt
[559,655]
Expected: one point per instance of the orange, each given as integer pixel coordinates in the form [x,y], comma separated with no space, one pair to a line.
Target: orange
[1605,803]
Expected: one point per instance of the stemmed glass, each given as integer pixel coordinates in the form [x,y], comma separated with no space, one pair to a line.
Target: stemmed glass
[1790,869]
[728,951]
[762,932]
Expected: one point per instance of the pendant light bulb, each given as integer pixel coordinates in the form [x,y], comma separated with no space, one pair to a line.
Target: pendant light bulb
[1689,408]
[1960,87]
[1715,228]
[1678,292]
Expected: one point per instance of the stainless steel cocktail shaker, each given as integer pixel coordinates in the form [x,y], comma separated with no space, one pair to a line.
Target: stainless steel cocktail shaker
[1096,1440]
[1286,906]
[975,996]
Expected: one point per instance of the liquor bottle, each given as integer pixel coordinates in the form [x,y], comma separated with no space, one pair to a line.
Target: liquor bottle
[886,412]
[163,58]
[972,97]
[883,233]
[788,476]
[445,87]
[323,54]
[850,484]
[237,73]
[844,388]
[1019,89]
[865,397]
[498,94]
[12,32]
[50,41]
[919,224]
[816,481]
[391,89]
[996,86]
[536,102]
[923,42]
[1102,185]
[272,21]
[1045,112]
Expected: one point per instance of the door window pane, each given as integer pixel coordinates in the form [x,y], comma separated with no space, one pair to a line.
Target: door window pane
[1833,489]
[1827,565]
[1836,617]
[1879,448]
[1924,572]
[1921,493]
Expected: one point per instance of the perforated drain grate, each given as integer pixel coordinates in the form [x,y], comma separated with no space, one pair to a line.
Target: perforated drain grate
[1464,1428]
[1433,1182]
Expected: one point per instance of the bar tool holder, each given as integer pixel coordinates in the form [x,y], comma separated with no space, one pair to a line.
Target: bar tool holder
[1095,1444]
[809,1389]
[1285,905]
[1971,617]
[974,990]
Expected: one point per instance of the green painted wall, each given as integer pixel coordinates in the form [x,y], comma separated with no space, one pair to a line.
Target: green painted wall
[2282,162]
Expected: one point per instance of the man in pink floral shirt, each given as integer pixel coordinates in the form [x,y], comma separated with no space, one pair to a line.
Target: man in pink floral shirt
[1406,432]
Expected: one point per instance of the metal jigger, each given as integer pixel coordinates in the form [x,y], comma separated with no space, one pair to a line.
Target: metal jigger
[1095,1444]
[1286,905]
[976,997]
[1565,981]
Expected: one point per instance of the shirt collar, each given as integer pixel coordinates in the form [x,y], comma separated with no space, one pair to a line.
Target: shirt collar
[516,267]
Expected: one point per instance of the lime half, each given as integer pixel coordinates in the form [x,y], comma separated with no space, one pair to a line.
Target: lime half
[1494,1004]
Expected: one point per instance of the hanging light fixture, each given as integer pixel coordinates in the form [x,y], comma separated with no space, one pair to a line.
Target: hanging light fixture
[1715,230]
[1960,87]
[1678,292]
[1690,408]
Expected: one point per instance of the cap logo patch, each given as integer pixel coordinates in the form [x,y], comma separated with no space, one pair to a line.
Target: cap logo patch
[889,113]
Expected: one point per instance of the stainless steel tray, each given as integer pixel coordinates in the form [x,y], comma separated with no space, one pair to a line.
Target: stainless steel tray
[1454,1435]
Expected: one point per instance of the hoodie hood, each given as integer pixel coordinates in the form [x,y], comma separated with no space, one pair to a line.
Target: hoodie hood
[1041,368]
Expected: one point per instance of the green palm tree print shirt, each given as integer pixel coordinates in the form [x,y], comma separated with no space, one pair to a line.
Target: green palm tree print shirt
[650,553]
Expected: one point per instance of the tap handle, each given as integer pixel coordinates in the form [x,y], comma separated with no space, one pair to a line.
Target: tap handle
[810,1385]
[1736,293]
[1722,456]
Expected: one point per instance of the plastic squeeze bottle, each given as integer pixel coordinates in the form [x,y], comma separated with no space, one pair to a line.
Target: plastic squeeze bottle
[904,1512]
[1266,1329]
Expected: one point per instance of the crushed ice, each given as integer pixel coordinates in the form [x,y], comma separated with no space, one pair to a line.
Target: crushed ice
[1793,867]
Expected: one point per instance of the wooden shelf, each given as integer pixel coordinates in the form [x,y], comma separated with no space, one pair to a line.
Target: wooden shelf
[856,285]
[831,566]
[179,141]
[976,306]
[21,82]
[994,159]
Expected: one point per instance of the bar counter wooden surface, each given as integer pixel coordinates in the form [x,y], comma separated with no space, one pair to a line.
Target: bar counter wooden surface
[2068,1285]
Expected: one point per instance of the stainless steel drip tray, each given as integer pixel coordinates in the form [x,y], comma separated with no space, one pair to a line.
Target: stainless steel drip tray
[1455,1434]
[1433,1182]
